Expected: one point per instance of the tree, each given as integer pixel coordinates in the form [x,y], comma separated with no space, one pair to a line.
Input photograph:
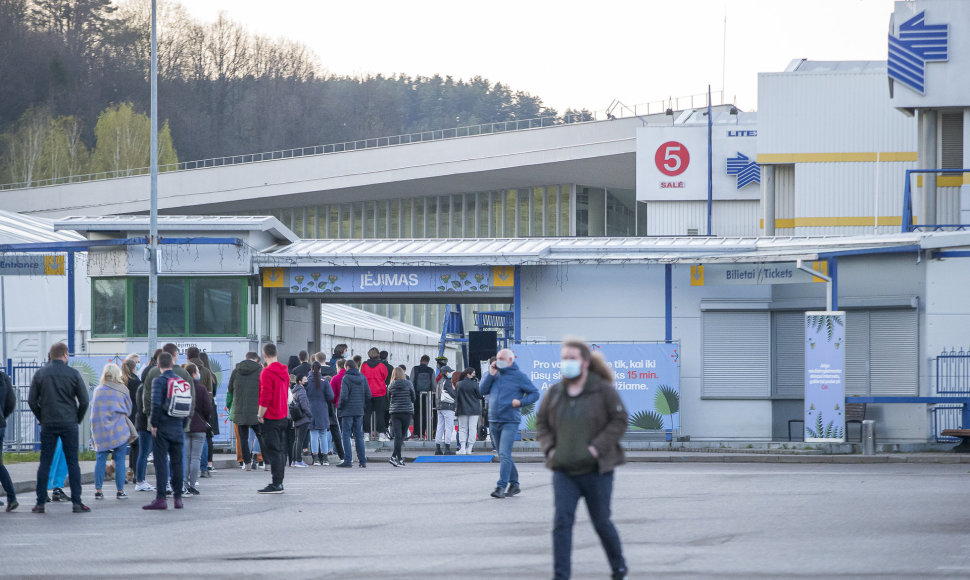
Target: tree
[123,140]
[24,147]
[64,152]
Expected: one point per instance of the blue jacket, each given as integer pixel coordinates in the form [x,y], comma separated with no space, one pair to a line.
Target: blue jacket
[508,384]
[320,396]
[354,393]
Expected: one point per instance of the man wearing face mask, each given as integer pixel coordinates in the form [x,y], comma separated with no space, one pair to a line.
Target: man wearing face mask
[579,426]
[507,389]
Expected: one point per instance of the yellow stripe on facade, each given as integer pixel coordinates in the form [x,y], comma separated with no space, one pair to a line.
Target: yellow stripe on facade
[947,180]
[884,156]
[822,222]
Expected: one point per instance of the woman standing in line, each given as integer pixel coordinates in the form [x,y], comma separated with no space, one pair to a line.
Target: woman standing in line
[110,431]
[402,397]
[198,425]
[446,413]
[320,396]
[469,409]
[129,376]
[301,421]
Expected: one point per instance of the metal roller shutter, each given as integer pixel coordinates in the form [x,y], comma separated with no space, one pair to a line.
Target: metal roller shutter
[736,355]
[856,353]
[789,354]
[893,352]
[951,140]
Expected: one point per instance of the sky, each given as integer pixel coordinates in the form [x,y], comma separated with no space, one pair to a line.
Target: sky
[574,54]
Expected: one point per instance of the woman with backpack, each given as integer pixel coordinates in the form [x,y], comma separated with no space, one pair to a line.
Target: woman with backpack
[446,413]
[469,408]
[401,395]
[320,396]
[110,431]
[301,415]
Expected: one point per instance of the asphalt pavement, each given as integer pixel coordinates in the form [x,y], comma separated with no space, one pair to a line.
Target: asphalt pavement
[676,520]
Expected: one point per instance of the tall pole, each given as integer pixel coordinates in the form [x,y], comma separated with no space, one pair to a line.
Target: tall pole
[153,210]
[710,165]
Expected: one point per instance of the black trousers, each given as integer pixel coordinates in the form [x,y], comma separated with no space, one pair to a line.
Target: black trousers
[299,437]
[379,410]
[399,426]
[168,449]
[273,443]
[244,441]
[49,434]
[420,417]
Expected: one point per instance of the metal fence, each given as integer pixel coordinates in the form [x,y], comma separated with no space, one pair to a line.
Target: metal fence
[23,432]
[952,378]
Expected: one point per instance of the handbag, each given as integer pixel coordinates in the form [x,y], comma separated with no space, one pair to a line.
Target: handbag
[296,413]
[132,431]
[446,397]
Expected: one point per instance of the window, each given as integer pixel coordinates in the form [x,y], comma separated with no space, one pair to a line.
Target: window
[108,306]
[621,216]
[216,306]
[186,306]
[735,350]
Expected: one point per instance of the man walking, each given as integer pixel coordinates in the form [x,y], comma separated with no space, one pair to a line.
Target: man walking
[242,397]
[508,389]
[274,387]
[59,399]
[8,400]
[168,433]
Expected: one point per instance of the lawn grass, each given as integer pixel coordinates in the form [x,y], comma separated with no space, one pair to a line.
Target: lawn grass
[34,457]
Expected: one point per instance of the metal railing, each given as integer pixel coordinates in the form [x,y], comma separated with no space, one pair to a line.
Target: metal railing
[907,221]
[953,372]
[947,417]
[623,111]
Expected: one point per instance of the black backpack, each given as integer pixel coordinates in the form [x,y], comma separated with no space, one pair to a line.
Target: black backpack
[424,381]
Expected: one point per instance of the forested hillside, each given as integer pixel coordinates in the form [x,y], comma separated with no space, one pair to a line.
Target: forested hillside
[74,91]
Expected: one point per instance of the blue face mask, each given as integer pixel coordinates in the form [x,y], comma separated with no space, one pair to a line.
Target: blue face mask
[502,364]
[571,368]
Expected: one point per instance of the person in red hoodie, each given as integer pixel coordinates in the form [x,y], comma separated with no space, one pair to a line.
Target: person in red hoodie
[274,387]
[375,371]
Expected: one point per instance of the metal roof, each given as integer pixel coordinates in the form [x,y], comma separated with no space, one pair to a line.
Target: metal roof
[517,251]
[201,223]
[17,228]
[343,315]
[829,66]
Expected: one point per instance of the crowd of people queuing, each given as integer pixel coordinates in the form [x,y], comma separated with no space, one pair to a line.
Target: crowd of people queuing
[299,414]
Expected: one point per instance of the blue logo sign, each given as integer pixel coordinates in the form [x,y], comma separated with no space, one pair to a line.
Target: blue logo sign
[747,171]
[917,44]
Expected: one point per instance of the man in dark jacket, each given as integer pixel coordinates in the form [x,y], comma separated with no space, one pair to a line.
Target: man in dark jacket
[242,398]
[422,377]
[579,426]
[508,390]
[173,350]
[59,399]
[8,400]
[303,369]
[169,436]
[354,395]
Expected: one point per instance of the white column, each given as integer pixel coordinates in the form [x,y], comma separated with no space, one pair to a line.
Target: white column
[965,188]
[926,214]
[768,201]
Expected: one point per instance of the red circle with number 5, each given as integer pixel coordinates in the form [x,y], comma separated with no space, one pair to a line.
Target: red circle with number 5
[672,158]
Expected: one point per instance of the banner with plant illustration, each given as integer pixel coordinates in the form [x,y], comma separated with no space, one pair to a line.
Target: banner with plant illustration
[647,378]
[824,377]
[91,366]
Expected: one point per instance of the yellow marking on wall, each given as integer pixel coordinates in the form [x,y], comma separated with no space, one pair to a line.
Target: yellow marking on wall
[821,266]
[274,278]
[503,276]
[947,180]
[53,265]
[697,275]
[821,222]
[845,157]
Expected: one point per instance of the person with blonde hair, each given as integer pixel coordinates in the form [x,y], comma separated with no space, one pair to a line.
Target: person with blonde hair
[401,395]
[111,428]
[579,426]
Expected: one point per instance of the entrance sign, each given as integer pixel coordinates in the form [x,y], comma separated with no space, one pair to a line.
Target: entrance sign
[744,274]
[31,265]
[647,378]
[387,279]
[274,278]
[825,377]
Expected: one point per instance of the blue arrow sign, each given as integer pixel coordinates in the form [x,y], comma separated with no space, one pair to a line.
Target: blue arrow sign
[917,44]
[747,171]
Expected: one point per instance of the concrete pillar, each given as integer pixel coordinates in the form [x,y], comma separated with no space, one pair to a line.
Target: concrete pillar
[768,198]
[928,160]
[965,188]
[315,340]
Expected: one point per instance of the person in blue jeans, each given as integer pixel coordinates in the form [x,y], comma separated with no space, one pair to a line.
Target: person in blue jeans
[354,394]
[507,389]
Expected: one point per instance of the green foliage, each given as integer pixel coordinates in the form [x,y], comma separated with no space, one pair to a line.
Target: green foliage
[527,409]
[123,139]
[824,322]
[530,421]
[821,430]
[667,400]
[647,420]
[90,376]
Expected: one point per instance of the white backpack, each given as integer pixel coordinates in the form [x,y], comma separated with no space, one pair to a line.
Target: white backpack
[179,397]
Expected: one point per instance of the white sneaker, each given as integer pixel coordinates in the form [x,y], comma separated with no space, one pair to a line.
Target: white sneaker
[366,436]
[144,486]
[383,437]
